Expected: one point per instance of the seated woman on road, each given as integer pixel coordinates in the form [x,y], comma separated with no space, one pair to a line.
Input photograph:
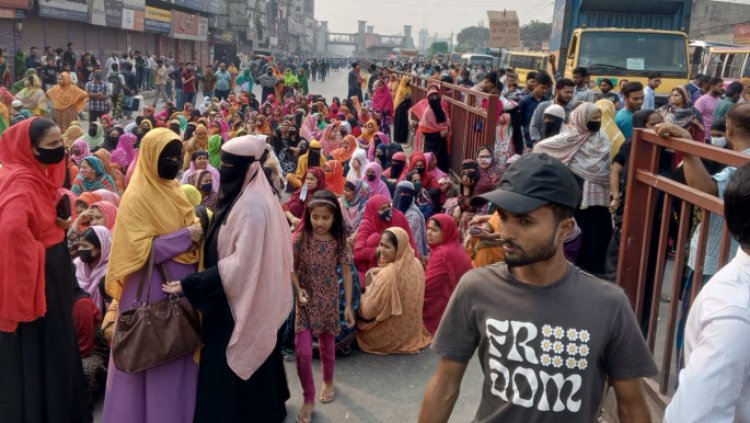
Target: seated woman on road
[92,176]
[204,181]
[312,158]
[357,165]
[391,307]
[354,201]
[294,207]
[379,216]
[447,264]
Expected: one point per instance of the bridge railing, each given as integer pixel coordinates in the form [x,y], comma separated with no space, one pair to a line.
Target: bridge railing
[473,117]
[644,227]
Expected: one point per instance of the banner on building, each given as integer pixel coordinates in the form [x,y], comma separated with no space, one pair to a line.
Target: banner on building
[208,6]
[69,10]
[106,13]
[184,25]
[132,20]
[14,4]
[157,20]
[742,34]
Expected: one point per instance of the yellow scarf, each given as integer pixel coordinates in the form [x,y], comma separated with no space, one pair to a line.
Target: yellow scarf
[151,207]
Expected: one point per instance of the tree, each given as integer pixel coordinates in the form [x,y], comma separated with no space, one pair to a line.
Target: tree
[534,33]
[473,36]
[439,47]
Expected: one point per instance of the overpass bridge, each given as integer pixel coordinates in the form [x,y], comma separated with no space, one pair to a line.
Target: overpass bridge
[366,42]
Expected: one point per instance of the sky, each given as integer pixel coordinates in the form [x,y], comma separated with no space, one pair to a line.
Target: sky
[439,16]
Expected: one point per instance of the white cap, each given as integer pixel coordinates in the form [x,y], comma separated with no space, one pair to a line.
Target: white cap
[16,104]
[555,110]
[247,146]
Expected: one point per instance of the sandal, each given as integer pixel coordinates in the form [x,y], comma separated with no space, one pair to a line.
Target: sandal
[301,418]
[327,395]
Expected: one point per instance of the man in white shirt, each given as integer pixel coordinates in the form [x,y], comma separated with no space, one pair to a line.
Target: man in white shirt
[715,383]
[108,64]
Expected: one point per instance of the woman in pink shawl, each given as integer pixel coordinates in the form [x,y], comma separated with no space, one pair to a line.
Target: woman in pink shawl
[417,111]
[379,138]
[372,176]
[432,169]
[199,161]
[79,151]
[309,130]
[382,104]
[435,128]
[330,139]
[125,151]
[91,263]
[244,294]
[109,196]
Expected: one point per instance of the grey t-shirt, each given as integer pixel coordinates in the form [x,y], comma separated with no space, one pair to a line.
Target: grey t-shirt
[545,351]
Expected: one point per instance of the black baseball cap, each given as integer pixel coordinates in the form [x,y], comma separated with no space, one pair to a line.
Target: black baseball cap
[533,181]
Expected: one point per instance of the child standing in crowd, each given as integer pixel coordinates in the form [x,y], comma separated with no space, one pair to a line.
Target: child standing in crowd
[319,248]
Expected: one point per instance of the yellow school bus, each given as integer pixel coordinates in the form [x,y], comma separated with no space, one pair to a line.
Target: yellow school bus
[631,54]
[524,62]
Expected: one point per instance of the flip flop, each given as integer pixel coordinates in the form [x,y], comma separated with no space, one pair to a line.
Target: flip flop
[301,419]
[324,399]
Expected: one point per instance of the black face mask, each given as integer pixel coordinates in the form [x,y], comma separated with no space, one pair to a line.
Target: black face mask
[175,129]
[419,170]
[396,168]
[92,131]
[370,177]
[594,126]
[314,158]
[86,257]
[51,155]
[168,168]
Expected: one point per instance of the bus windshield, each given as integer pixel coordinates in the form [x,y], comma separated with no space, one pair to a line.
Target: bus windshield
[630,53]
[476,60]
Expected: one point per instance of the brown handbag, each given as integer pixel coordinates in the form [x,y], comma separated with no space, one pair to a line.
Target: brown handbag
[153,333]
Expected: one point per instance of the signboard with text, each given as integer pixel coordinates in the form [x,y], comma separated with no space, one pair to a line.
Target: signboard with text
[70,10]
[208,6]
[157,20]
[186,26]
[742,33]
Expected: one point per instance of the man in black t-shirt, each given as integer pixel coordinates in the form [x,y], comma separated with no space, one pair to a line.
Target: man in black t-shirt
[547,335]
[49,73]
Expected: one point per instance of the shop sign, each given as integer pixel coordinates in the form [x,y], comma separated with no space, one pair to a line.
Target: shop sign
[69,10]
[157,20]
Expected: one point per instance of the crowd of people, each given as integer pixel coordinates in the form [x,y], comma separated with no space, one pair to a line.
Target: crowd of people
[296,218]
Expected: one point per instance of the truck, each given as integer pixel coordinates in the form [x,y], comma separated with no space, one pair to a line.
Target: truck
[623,40]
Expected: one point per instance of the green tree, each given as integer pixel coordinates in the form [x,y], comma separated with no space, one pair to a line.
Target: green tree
[473,36]
[439,47]
[534,33]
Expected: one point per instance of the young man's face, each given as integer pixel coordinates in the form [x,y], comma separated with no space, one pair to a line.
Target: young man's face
[532,237]
[564,95]
[654,83]
[579,79]
[634,101]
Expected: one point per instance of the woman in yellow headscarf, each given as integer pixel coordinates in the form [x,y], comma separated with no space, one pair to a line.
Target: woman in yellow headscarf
[154,215]
[312,158]
[401,104]
[32,96]
[199,141]
[67,100]
[616,138]
[72,133]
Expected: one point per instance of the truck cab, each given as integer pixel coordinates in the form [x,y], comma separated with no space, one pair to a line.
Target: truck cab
[631,54]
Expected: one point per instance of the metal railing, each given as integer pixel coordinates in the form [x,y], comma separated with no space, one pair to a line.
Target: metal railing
[644,185]
[472,125]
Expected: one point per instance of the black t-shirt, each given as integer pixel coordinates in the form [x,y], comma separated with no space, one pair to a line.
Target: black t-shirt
[545,351]
[49,74]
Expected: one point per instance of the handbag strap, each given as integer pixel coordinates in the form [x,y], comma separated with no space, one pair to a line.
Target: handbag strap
[146,275]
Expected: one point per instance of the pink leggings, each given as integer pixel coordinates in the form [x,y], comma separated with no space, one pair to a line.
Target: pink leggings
[303,350]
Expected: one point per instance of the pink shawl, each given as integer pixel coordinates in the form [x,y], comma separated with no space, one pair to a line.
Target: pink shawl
[255,261]
[83,150]
[125,151]
[109,196]
[384,139]
[330,139]
[212,170]
[90,277]
[309,130]
[382,101]
[377,187]
[435,172]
